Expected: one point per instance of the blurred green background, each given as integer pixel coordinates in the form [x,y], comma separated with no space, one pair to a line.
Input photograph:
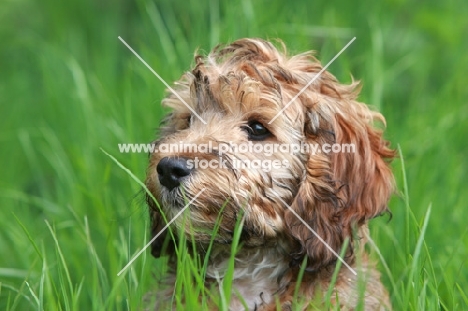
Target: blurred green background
[70,218]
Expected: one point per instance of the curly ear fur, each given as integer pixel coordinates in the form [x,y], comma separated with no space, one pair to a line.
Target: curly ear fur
[341,191]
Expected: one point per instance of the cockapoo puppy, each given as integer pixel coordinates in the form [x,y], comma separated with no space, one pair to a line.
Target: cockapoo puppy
[274,163]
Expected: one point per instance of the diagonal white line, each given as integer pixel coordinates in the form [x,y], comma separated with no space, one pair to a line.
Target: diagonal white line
[312,81]
[315,233]
[161,79]
[162,230]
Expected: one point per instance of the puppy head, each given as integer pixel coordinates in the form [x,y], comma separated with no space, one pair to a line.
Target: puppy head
[240,94]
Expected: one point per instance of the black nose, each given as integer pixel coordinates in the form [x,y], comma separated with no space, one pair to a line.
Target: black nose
[171,171]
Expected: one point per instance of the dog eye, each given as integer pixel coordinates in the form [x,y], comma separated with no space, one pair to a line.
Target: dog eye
[257,131]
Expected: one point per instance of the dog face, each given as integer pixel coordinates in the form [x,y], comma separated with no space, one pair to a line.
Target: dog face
[250,94]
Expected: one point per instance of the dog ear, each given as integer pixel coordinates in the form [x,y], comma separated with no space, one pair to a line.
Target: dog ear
[341,190]
[317,204]
[366,172]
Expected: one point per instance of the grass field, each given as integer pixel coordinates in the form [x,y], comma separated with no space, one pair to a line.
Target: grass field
[71,218]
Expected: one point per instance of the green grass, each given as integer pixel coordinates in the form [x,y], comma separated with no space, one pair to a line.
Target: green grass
[71,218]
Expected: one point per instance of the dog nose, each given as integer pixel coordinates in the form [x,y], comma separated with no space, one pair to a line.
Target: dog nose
[171,171]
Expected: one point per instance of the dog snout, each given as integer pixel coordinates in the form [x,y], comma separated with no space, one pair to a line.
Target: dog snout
[171,171]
